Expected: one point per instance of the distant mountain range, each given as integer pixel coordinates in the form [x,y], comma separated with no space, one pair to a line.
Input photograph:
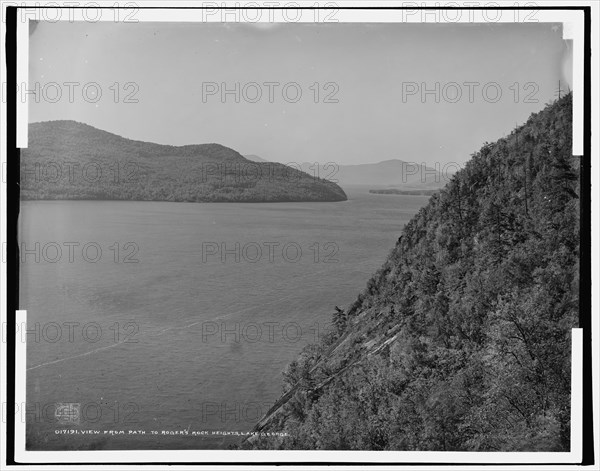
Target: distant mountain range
[393,173]
[389,173]
[71,160]
[396,191]
[255,158]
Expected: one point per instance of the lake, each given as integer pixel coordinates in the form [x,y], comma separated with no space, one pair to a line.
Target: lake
[177,319]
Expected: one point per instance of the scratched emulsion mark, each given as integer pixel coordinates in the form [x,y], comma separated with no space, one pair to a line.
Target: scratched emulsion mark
[67,413]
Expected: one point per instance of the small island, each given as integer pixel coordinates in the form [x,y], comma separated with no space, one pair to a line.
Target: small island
[395,191]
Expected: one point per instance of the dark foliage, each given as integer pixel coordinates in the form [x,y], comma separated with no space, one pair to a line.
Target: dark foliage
[70,160]
[461,340]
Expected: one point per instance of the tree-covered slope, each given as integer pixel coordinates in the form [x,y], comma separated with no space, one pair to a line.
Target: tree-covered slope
[70,160]
[461,341]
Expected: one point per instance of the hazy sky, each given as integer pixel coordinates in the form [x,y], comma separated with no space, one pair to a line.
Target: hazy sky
[370,65]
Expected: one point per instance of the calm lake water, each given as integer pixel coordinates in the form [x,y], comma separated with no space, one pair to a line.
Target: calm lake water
[161,323]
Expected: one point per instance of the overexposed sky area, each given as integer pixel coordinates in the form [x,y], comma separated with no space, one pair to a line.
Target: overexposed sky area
[361,85]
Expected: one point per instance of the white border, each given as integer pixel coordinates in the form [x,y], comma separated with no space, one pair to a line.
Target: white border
[22,77]
[572,20]
[107,456]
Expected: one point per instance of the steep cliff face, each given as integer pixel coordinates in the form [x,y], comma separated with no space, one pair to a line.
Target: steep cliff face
[461,341]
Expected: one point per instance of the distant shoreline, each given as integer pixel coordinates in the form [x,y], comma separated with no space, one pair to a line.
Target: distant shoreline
[393,191]
[169,201]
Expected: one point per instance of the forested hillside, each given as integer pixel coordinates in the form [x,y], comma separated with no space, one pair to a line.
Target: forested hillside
[461,341]
[70,160]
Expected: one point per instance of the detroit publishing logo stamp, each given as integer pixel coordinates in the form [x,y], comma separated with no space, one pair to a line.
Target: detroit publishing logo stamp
[67,413]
